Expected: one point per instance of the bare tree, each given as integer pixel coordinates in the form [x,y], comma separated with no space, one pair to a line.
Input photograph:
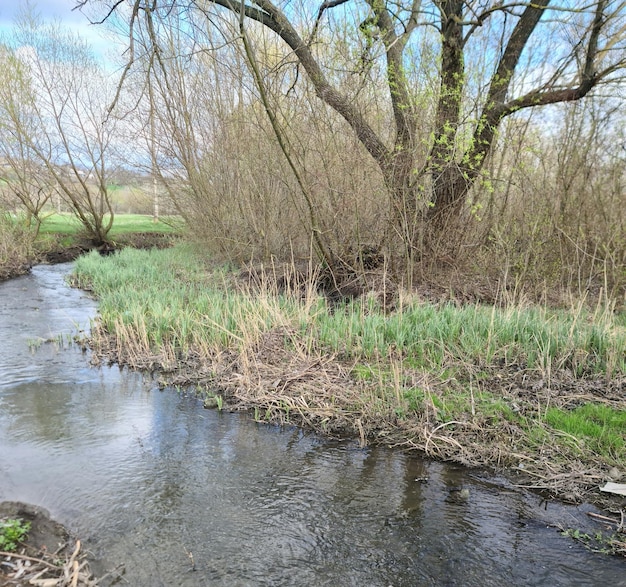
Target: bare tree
[24,179]
[532,54]
[58,120]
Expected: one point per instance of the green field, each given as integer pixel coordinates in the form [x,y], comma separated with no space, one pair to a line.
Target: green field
[122,224]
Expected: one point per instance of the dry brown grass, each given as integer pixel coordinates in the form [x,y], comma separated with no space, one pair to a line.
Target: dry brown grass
[281,382]
[16,250]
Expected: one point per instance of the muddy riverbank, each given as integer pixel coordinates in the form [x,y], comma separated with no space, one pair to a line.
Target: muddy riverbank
[53,250]
[48,556]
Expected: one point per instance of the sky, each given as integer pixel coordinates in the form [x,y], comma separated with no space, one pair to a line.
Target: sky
[60,10]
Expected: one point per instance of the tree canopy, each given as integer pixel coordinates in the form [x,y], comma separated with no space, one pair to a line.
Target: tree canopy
[480,61]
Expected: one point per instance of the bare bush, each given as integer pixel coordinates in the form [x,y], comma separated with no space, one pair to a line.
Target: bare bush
[58,136]
[553,214]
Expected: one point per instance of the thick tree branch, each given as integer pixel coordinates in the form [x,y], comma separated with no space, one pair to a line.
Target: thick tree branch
[592,47]
[396,74]
[270,16]
[497,107]
[324,6]
[524,28]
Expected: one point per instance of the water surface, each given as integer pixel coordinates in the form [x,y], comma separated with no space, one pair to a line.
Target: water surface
[189,497]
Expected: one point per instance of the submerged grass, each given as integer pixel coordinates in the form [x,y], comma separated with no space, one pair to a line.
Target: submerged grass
[482,385]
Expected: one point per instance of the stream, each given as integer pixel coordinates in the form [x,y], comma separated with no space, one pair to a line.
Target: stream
[184,496]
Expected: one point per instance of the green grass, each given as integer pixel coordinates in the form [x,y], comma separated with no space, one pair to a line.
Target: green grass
[66,224]
[601,427]
[433,336]
[171,296]
[125,223]
[168,298]
[122,224]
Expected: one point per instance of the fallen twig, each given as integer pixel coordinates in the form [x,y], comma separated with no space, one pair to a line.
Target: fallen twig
[74,572]
[28,558]
[603,518]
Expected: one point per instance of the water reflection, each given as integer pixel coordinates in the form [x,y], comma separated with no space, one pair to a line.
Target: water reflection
[189,497]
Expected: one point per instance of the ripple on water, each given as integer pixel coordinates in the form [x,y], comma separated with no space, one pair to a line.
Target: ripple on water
[148,478]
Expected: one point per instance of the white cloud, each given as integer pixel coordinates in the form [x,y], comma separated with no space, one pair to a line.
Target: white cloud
[61,12]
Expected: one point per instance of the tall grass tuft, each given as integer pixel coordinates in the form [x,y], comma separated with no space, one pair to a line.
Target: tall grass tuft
[167,299]
[170,298]
[431,336]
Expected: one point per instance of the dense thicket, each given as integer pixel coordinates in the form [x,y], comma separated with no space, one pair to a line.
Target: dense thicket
[474,138]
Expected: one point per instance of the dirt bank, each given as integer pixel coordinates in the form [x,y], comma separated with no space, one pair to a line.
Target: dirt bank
[49,557]
[56,252]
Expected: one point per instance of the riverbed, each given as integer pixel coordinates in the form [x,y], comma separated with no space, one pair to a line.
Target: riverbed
[185,496]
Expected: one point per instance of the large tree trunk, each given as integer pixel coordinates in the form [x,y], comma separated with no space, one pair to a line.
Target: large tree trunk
[449,190]
[449,186]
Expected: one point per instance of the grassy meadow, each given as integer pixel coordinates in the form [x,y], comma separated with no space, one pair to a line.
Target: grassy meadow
[535,391]
[123,224]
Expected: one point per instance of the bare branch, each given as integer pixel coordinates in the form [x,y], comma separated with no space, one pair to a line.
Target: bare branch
[328,4]
[131,54]
[592,48]
[83,3]
[275,20]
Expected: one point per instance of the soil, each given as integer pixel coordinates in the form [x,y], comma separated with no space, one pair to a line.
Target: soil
[49,555]
[59,253]
[45,535]
[137,240]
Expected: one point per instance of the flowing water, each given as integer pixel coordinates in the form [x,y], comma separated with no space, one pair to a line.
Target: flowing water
[190,497]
